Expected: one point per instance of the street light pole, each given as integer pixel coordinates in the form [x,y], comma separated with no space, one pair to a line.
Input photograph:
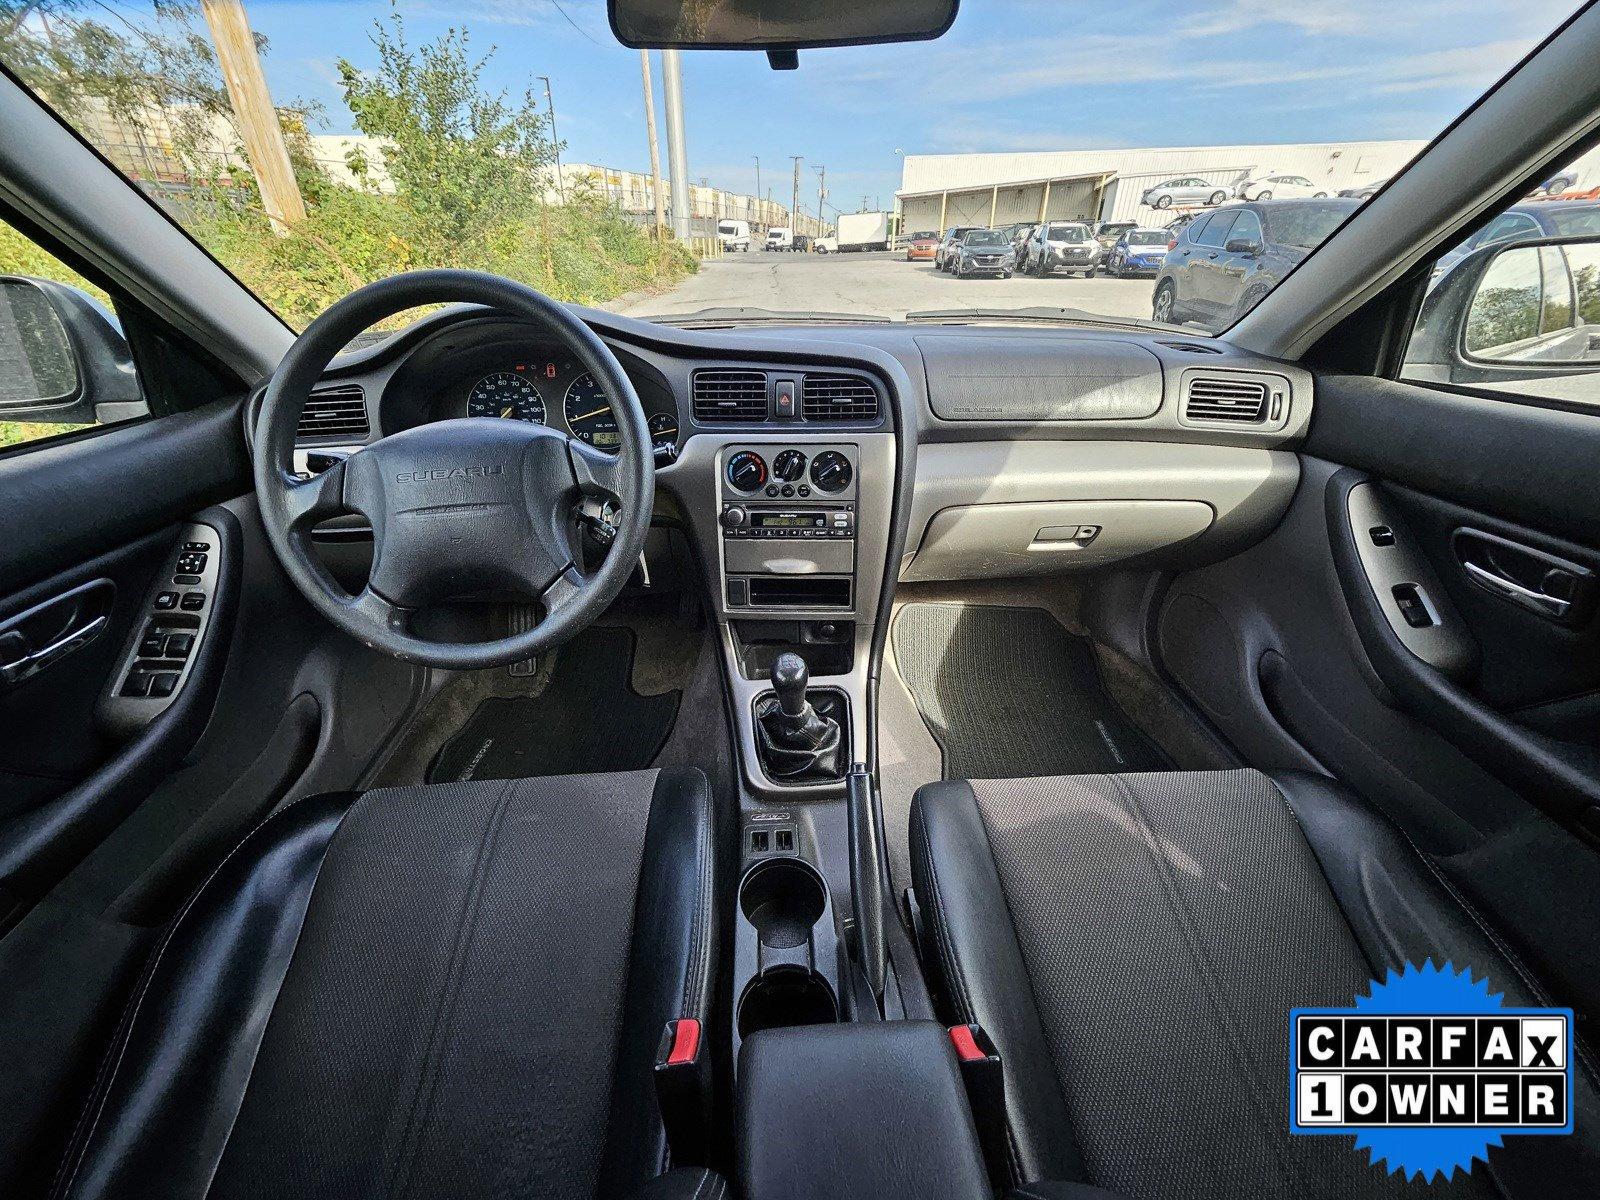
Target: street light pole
[655,147]
[677,155]
[555,143]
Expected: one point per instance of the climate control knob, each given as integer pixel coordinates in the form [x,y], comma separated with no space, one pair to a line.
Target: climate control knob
[747,471]
[831,471]
[789,466]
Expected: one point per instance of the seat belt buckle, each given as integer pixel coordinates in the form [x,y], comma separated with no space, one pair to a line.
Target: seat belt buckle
[683,1090]
[982,1074]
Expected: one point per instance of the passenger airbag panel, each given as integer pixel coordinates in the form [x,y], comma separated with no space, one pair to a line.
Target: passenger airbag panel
[973,378]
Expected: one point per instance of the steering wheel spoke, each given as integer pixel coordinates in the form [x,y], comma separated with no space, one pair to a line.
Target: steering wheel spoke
[317,498]
[564,591]
[596,473]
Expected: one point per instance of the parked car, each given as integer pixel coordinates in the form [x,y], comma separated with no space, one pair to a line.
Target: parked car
[942,254]
[1061,245]
[802,243]
[1137,252]
[779,238]
[983,252]
[1183,190]
[1175,227]
[1556,184]
[1547,218]
[1279,187]
[920,247]
[826,245]
[734,235]
[1107,233]
[1226,261]
[1364,191]
[1019,236]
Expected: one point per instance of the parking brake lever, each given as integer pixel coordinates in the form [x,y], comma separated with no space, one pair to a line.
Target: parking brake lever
[866,877]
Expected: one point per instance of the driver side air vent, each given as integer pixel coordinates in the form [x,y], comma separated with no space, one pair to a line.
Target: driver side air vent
[838,398]
[1218,398]
[335,412]
[730,395]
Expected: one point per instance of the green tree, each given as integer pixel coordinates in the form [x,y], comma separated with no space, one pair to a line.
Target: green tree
[465,162]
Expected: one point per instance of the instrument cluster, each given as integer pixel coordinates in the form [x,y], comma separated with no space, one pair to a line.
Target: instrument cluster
[554,389]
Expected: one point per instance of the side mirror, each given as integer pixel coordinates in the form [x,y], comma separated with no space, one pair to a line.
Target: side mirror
[63,358]
[1242,245]
[1512,311]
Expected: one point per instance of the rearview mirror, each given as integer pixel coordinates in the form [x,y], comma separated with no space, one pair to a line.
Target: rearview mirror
[775,24]
[62,357]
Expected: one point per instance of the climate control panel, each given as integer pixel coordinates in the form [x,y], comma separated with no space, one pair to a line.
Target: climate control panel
[822,473]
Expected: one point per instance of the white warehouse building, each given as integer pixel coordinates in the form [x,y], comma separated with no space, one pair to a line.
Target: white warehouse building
[941,190]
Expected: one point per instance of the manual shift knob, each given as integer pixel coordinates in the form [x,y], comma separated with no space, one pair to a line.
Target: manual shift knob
[789,679]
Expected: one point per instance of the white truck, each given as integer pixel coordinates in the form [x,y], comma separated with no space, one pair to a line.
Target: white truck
[779,238]
[864,231]
[734,235]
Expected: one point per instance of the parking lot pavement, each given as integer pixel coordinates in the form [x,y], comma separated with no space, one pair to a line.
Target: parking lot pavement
[878,285]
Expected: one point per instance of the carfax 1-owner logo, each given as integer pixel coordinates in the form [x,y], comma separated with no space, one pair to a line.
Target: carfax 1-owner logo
[1430,1070]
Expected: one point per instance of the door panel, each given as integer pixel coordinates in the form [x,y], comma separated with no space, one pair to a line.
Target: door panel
[1464,721]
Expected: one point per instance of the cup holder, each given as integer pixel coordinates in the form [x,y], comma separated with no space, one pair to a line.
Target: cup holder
[784,997]
[782,899]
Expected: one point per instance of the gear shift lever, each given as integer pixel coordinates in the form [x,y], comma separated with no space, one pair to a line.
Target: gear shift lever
[794,739]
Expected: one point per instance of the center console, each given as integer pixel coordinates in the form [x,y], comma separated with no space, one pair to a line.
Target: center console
[794,531]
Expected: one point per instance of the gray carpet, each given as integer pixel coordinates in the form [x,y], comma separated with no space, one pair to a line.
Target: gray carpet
[1009,693]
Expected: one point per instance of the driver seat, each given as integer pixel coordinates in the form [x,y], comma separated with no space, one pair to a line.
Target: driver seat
[454,990]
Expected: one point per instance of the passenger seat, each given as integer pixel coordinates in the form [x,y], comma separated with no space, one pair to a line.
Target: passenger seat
[1134,945]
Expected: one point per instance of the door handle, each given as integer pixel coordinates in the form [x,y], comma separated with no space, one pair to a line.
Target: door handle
[1529,598]
[48,632]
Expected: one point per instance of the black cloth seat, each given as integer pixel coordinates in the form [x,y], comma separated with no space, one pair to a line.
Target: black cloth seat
[1134,945]
[445,991]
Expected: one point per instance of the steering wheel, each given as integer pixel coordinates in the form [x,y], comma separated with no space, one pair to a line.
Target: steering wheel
[473,505]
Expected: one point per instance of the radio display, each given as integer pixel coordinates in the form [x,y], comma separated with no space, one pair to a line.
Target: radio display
[786,520]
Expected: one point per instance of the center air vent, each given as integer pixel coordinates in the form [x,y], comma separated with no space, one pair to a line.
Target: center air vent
[335,412]
[838,398]
[1219,398]
[730,395]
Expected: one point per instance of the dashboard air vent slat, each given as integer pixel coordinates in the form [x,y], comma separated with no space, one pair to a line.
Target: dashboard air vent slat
[730,395]
[838,398]
[335,412]
[1219,398]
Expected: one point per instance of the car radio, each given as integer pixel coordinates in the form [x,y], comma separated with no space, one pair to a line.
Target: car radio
[748,521]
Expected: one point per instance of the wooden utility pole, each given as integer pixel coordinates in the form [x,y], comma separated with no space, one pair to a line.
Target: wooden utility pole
[794,203]
[252,106]
[655,146]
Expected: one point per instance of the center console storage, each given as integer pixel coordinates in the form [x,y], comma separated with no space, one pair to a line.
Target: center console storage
[857,1110]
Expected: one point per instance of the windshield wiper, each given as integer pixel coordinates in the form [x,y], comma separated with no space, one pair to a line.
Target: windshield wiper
[712,318]
[1063,316]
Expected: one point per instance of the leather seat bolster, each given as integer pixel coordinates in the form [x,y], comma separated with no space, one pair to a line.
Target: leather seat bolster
[672,965]
[968,923]
[175,1073]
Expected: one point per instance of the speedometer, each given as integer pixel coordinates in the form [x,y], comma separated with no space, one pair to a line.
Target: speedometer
[506,394]
[589,414]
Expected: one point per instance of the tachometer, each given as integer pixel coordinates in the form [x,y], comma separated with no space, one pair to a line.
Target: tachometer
[589,414]
[506,394]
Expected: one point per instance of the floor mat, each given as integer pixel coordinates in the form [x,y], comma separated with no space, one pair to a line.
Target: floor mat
[589,718]
[1008,693]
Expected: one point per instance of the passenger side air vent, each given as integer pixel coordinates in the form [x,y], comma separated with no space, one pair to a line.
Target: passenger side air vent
[730,395]
[335,412]
[1219,398]
[838,398]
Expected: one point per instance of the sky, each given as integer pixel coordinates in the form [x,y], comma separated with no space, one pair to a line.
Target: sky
[1009,75]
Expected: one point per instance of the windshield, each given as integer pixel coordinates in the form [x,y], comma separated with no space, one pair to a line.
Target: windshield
[515,137]
[985,237]
[1575,221]
[1147,237]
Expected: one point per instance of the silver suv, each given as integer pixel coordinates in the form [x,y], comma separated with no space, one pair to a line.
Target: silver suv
[1060,245]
